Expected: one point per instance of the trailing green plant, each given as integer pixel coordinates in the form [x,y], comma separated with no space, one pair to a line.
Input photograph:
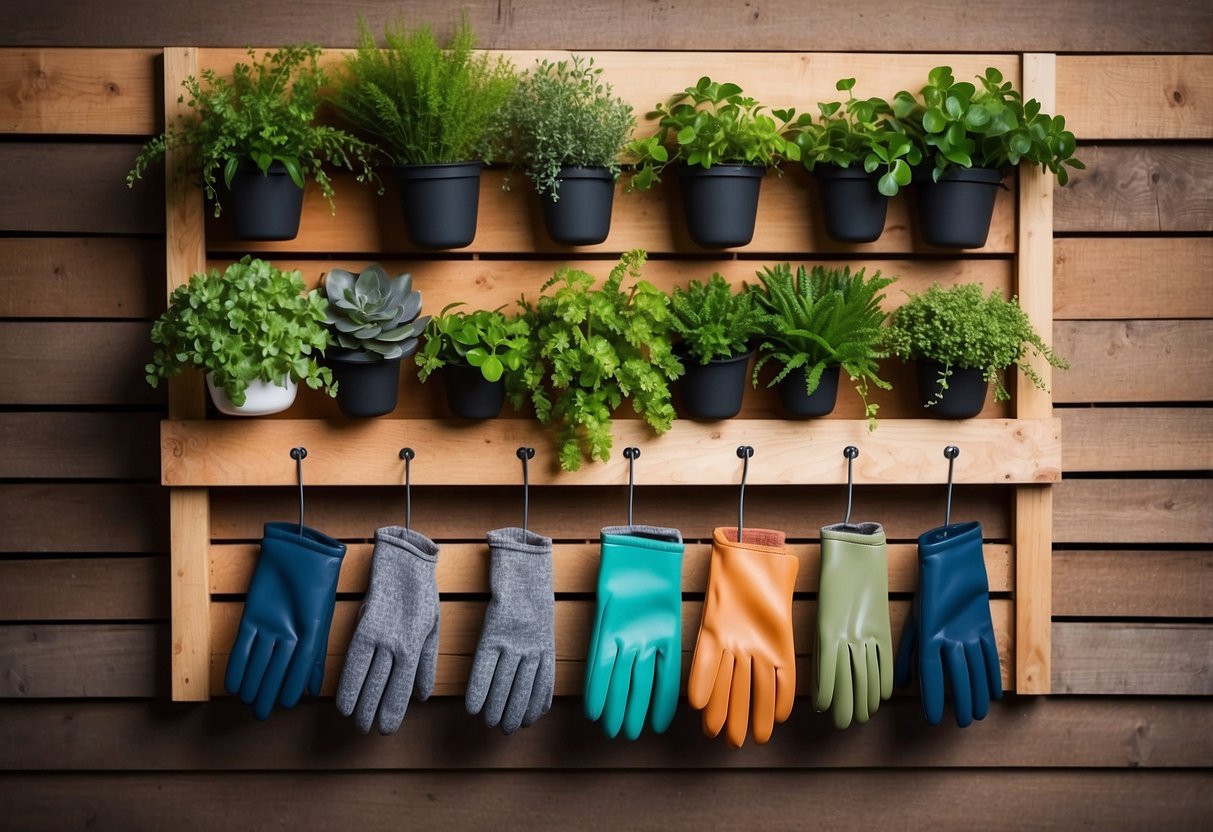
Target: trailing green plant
[860,131]
[251,321]
[423,103]
[266,113]
[374,313]
[963,125]
[827,317]
[563,114]
[962,327]
[591,348]
[486,339]
[713,321]
[711,124]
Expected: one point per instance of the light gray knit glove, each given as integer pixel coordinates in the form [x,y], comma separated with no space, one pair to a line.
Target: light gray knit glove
[515,666]
[396,641]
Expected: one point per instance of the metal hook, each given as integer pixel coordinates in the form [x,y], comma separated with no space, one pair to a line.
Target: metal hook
[525,454]
[744,452]
[299,454]
[407,454]
[951,452]
[631,454]
[850,452]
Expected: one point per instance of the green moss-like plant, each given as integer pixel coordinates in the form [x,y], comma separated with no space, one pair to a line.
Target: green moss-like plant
[713,321]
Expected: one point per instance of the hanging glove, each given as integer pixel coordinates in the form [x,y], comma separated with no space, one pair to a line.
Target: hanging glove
[854,655]
[745,660]
[284,629]
[949,629]
[634,666]
[514,670]
[396,642]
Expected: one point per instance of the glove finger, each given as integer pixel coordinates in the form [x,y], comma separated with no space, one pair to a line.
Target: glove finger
[427,665]
[762,700]
[499,691]
[520,694]
[270,683]
[958,675]
[598,677]
[717,706]
[705,667]
[859,680]
[903,668]
[843,709]
[884,657]
[316,681]
[395,702]
[640,693]
[930,683]
[484,665]
[826,665]
[254,672]
[353,673]
[989,649]
[785,692]
[299,670]
[665,694]
[617,693]
[977,679]
[372,690]
[541,691]
[873,677]
[237,660]
[739,703]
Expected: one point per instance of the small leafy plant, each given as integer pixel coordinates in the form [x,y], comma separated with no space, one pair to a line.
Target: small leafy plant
[485,339]
[374,313]
[423,103]
[711,124]
[563,114]
[823,318]
[858,131]
[713,321]
[988,127]
[249,322]
[266,113]
[962,327]
[593,347]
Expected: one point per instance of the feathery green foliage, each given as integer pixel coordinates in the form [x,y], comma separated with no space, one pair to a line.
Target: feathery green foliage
[374,313]
[713,321]
[489,340]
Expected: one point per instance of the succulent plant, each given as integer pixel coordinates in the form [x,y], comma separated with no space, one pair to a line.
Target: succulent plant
[373,312]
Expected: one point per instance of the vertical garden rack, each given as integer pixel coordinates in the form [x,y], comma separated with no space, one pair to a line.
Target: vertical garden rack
[1020,449]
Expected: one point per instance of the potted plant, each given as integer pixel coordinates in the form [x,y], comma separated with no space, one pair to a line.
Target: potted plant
[375,324]
[972,137]
[715,325]
[436,114]
[962,339]
[569,130]
[818,323]
[258,131]
[723,143]
[474,350]
[860,156]
[591,348]
[252,331]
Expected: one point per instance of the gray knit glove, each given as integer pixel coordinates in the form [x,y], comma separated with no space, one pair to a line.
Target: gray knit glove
[515,666]
[397,636]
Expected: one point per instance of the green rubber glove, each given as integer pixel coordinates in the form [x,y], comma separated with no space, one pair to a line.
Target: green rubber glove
[634,667]
[854,656]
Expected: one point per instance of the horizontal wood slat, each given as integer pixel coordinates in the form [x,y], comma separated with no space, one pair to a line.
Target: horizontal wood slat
[79,445]
[72,660]
[1131,278]
[76,363]
[83,518]
[1169,97]
[1116,658]
[1133,584]
[1138,511]
[86,277]
[1115,439]
[1133,361]
[93,91]
[96,589]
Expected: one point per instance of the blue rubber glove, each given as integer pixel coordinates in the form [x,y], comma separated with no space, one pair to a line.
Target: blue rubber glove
[634,666]
[949,630]
[283,636]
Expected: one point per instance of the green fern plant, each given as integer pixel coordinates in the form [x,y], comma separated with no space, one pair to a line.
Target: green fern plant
[827,317]
[713,321]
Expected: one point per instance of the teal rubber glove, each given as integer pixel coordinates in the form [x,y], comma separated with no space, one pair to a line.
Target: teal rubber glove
[634,667]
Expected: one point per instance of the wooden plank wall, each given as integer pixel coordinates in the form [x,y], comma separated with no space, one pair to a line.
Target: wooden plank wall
[87,735]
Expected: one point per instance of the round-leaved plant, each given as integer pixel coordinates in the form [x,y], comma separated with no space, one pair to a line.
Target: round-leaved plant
[486,339]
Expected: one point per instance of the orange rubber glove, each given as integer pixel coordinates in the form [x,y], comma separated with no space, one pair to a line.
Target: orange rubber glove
[744,667]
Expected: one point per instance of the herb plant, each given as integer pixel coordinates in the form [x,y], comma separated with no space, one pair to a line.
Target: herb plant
[485,339]
[593,347]
[961,327]
[823,318]
[374,313]
[249,322]
[423,103]
[713,321]
[711,124]
[266,113]
[563,114]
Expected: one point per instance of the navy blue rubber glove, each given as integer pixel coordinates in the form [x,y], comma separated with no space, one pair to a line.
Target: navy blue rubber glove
[283,637]
[950,632]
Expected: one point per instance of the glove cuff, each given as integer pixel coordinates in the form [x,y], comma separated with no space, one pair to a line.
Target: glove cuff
[406,541]
[758,540]
[311,539]
[862,534]
[652,537]
[518,540]
[944,538]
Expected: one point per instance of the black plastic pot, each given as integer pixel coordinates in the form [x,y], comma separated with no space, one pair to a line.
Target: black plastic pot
[440,203]
[469,394]
[367,385]
[955,212]
[582,215]
[964,398]
[853,209]
[802,406]
[721,203]
[263,206]
[713,391]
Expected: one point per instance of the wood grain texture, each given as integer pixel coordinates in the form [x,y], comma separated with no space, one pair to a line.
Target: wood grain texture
[1132,278]
[1133,584]
[59,517]
[88,363]
[1112,439]
[83,589]
[1148,659]
[1150,188]
[86,277]
[79,445]
[92,91]
[72,660]
[1133,361]
[1169,97]
[1124,511]
[189,532]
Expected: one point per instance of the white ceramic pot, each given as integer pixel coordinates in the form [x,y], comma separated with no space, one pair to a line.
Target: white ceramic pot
[261,399]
